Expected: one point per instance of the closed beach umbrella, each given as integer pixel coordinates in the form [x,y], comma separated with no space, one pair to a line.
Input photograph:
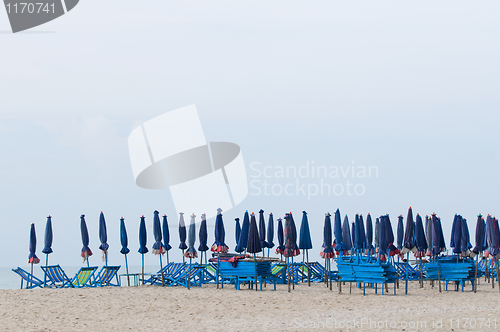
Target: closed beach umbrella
[220,234]
[401,232]
[369,232]
[182,234]
[47,249]
[281,238]
[166,234]
[478,249]
[262,230]
[441,235]
[420,239]
[346,235]
[492,236]
[237,230]
[428,234]
[409,241]
[337,231]
[86,252]
[305,241]
[382,241]
[360,233]
[253,244]
[143,239]
[103,237]
[270,232]
[124,242]
[353,235]
[243,242]
[456,235]
[465,241]
[191,252]
[377,232]
[157,246]
[32,256]
[390,236]
[327,252]
[291,248]
[203,235]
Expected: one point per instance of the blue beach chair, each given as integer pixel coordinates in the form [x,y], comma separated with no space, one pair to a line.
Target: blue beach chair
[106,275]
[56,277]
[191,277]
[29,278]
[83,277]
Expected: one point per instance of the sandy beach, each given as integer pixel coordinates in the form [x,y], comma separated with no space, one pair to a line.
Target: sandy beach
[152,308]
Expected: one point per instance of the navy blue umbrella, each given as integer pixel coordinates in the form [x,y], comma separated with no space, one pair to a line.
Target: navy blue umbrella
[420,239]
[409,241]
[382,240]
[369,232]
[262,230]
[86,252]
[182,233]
[281,238]
[428,234]
[305,241]
[243,242]
[237,230]
[220,234]
[337,231]
[346,235]
[291,248]
[32,256]
[270,232]
[47,249]
[377,232]
[203,235]
[103,237]
[157,246]
[253,244]
[360,233]
[124,242]
[456,235]
[390,236]
[478,249]
[166,234]
[143,239]
[191,252]
[465,240]
[400,232]
[327,251]
[492,236]
[441,235]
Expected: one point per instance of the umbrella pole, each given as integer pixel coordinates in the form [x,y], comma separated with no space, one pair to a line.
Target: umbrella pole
[498,280]
[106,258]
[303,262]
[329,271]
[406,268]
[439,277]
[476,280]
[308,271]
[187,275]
[161,269]
[143,269]
[168,261]
[255,268]
[326,273]
[217,274]
[44,275]
[183,261]
[87,259]
[126,265]
[288,274]
[31,274]
[293,276]
[420,275]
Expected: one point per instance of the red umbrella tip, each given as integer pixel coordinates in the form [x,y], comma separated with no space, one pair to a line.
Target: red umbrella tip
[50,216]
[410,207]
[164,215]
[101,211]
[142,216]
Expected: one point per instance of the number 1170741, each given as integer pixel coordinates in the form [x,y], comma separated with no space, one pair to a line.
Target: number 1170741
[30,8]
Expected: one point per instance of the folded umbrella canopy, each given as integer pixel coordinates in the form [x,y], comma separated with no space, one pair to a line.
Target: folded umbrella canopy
[253,243]
[382,240]
[377,232]
[157,246]
[191,252]
[243,242]
[280,249]
[220,234]
[327,251]
[262,230]
[203,235]
[270,232]
[456,235]
[32,256]
[305,241]
[465,240]
[492,237]
[291,248]
[428,234]
[353,235]
[337,231]
[360,233]
[442,243]
[346,236]
[420,240]
[166,234]
[103,237]
[438,244]
[237,230]
[143,239]
[124,242]
[478,249]
[409,240]
[86,252]
[369,232]
[47,249]
[182,233]
[390,236]
[400,232]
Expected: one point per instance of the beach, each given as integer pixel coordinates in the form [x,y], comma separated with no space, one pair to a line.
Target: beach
[154,308]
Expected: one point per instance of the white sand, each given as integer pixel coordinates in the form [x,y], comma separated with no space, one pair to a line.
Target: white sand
[151,308]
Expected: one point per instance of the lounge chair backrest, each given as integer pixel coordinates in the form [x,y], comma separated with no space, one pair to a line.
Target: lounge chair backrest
[55,273]
[83,276]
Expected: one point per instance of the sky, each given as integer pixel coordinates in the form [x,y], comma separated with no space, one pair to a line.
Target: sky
[409,88]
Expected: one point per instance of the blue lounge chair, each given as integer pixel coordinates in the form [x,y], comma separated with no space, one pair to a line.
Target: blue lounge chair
[106,275]
[56,277]
[192,276]
[31,280]
[171,271]
[84,277]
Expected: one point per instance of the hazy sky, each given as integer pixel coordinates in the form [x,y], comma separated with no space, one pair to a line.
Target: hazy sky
[410,87]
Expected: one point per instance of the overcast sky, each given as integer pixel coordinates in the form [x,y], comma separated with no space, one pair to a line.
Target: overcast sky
[410,87]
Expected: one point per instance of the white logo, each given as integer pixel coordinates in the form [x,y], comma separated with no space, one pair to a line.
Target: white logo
[201,176]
